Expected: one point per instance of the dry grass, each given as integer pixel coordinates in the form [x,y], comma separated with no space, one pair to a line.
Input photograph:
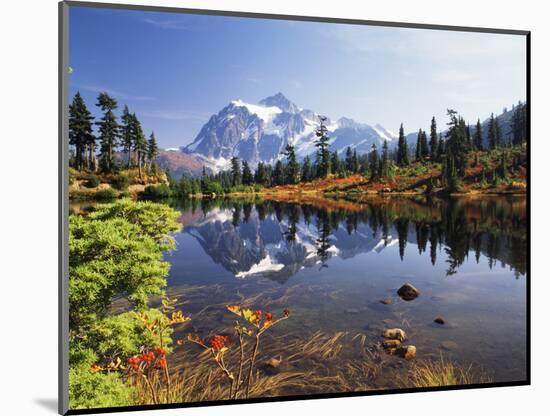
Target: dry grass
[443,373]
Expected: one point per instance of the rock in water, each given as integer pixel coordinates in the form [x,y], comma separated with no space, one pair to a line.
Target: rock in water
[408,352]
[386,301]
[395,333]
[391,343]
[274,362]
[439,320]
[408,292]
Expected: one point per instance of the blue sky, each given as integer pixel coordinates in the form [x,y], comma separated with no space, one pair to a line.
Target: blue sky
[176,70]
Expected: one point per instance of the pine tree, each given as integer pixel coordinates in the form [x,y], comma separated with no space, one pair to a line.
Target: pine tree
[236,176]
[355,162]
[468,136]
[292,168]
[307,172]
[418,150]
[493,133]
[440,148]
[402,148]
[279,173]
[335,164]
[384,170]
[80,132]
[373,163]
[519,124]
[108,130]
[349,160]
[433,140]
[322,144]
[247,177]
[140,143]
[127,133]
[457,142]
[260,176]
[478,136]
[152,149]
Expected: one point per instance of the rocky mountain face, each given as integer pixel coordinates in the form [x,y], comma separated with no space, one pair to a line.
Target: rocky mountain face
[260,132]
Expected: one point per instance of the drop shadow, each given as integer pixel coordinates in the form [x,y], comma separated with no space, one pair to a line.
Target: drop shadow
[48,404]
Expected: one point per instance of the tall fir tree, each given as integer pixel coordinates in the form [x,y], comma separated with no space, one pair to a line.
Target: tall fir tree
[493,133]
[152,150]
[457,142]
[81,133]
[384,170]
[307,171]
[236,175]
[292,168]
[402,148]
[127,130]
[108,130]
[478,136]
[260,176]
[279,173]
[433,139]
[322,144]
[247,177]
[140,144]
[374,163]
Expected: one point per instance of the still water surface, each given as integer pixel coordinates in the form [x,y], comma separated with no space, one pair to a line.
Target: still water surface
[332,262]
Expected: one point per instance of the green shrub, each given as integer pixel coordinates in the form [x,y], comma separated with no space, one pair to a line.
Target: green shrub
[120,182]
[92,181]
[154,192]
[105,194]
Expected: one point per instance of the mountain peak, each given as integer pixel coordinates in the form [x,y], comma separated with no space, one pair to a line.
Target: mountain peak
[279,100]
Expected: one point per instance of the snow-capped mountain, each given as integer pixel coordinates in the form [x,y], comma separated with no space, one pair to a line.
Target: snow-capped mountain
[260,132]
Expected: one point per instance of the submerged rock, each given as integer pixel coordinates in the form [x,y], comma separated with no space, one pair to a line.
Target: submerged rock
[448,345]
[408,292]
[386,301]
[274,362]
[395,333]
[391,343]
[408,352]
[439,320]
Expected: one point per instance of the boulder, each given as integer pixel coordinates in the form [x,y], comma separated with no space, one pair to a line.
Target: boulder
[408,292]
[439,320]
[408,352]
[391,343]
[395,333]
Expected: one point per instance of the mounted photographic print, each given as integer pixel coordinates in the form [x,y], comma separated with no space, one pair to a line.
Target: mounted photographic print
[264,207]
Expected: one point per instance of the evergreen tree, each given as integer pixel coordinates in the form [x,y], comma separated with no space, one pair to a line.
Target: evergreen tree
[384,170]
[127,133]
[322,144]
[440,148]
[292,169]
[236,176]
[279,173]
[140,143]
[307,171]
[152,149]
[355,162]
[402,148]
[108,130]
[247,177]
[373,163]
[478,136]
[493,133]
[335,164]
[349,160]
[519,124]
[418,150]
[457,143]
[468,137]
[433,140]
[80,132]
[260,176]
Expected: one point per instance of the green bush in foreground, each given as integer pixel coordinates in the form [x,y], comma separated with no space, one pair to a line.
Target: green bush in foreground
[155,192]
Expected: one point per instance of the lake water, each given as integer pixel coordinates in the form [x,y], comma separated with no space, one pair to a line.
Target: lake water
[332,262]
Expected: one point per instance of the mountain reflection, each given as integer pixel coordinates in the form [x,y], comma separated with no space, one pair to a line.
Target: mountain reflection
[277,239]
